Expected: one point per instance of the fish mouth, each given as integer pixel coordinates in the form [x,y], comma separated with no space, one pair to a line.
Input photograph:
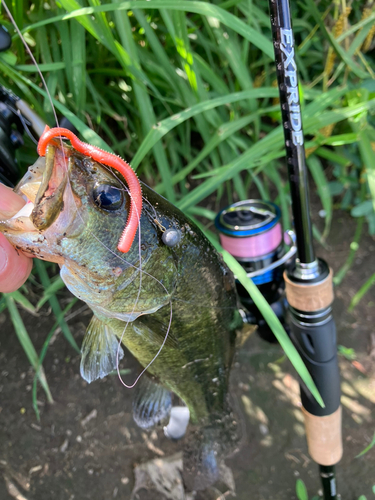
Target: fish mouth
[43,188]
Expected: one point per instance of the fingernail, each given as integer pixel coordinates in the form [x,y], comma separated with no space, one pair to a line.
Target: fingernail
[3,259]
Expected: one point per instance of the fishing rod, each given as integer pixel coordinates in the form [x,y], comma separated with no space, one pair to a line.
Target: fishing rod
[251,231]
[308,284]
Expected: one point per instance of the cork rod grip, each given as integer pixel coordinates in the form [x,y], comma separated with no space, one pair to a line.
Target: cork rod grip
[324,437]
[309,297]
[316,342]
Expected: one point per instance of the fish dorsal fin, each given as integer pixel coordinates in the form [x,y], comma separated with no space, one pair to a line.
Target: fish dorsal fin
[151,403]
[99,351]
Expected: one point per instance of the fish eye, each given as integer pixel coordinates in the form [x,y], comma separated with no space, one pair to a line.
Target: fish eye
[108,197]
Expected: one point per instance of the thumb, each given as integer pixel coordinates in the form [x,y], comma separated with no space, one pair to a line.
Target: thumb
[15,267]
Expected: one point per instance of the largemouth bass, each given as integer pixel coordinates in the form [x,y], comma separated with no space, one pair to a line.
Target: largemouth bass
[75,214]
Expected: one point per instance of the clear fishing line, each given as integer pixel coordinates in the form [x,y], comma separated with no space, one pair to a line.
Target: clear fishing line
[136,302]
[92,234]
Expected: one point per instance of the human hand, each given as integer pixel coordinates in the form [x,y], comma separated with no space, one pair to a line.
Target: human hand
[15,266]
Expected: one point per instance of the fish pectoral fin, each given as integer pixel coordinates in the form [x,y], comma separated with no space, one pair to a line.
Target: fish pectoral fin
[100,351]
[155,331]
[152,402]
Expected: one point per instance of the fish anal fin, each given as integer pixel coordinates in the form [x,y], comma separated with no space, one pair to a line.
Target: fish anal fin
[99,351]
[152,402]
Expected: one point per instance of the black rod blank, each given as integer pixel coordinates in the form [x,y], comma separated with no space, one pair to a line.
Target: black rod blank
[327,474]
[286,70]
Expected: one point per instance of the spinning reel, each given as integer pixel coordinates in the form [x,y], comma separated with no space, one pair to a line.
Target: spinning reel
[251,231]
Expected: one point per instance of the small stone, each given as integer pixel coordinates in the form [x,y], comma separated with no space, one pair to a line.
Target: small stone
[64,446]
[263,429]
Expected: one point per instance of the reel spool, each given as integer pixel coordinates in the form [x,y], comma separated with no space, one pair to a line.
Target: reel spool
[251,231]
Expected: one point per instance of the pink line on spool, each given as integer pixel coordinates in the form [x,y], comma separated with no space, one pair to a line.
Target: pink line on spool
[253,246]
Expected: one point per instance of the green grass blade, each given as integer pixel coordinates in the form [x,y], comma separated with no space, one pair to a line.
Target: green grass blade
[321,183]
[335,45]
[203,8]
[43,353]
[31,68]
[272,321]
[22,301]
[222,134]
[162,128]
[78,65]
[272,141]
[362,292]
[368,448]
[367,21]
[354,246]
[283,199]
[27,344]
[367,155]
[55,306]
[143,100]
[89,135]
[333,157]
[50,290]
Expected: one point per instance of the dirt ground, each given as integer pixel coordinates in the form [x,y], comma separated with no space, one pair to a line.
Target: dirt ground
[87,445]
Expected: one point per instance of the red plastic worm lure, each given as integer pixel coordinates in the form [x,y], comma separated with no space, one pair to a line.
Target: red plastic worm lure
[110,160]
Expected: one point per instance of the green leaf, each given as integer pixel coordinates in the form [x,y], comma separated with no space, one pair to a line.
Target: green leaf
[347,352]
[274,140]
[335,188]
[8,57]
[301,490]
[363,208]
[362,292]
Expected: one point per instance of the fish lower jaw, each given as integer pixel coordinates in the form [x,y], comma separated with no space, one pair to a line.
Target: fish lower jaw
[25,210]
[19,222]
